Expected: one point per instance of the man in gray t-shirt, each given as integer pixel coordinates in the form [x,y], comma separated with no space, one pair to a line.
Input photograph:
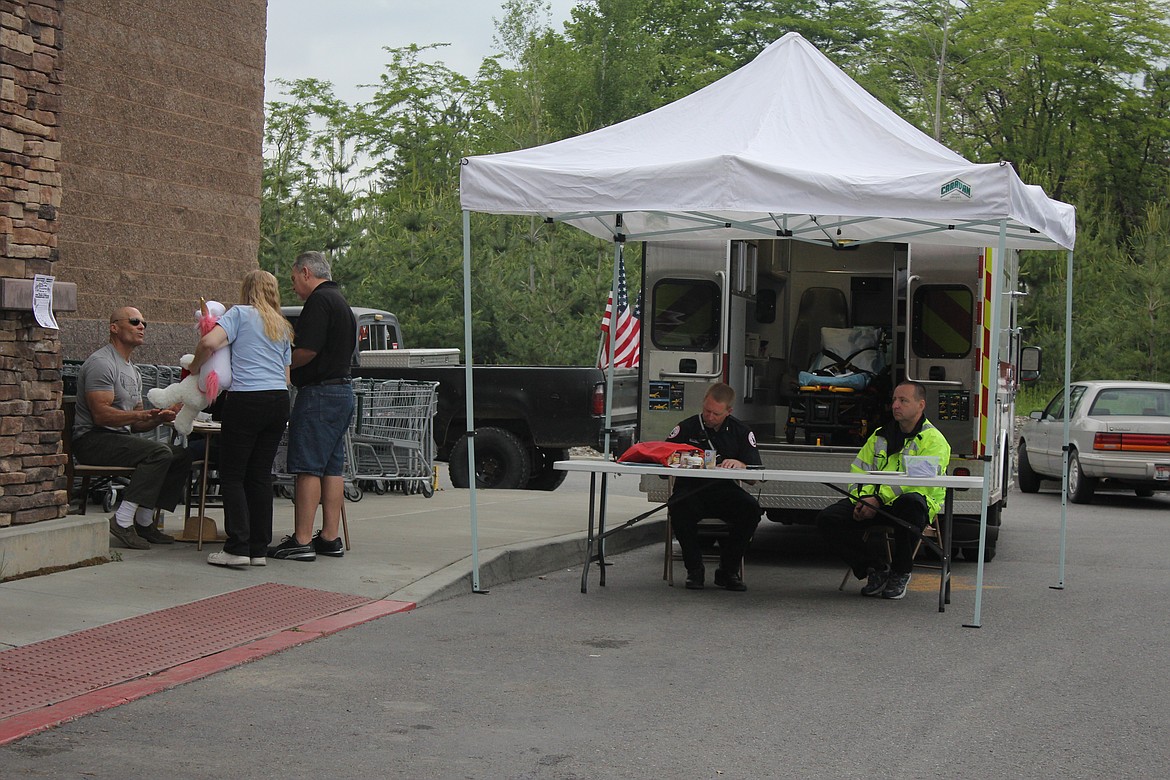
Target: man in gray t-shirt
[109,411]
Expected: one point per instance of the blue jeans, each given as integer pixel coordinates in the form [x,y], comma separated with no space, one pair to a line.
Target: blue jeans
[316,430]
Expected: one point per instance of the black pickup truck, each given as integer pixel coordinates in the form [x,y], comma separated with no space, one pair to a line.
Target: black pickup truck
[526,417]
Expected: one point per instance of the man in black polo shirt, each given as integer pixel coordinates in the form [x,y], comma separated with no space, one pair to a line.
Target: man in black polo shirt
[326,337]
[735,447]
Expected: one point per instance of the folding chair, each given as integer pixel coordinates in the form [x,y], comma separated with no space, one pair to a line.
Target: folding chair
[709,528]
[87,473]
[887,532]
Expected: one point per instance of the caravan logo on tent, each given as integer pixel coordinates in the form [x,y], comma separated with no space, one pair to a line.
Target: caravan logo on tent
[955,188]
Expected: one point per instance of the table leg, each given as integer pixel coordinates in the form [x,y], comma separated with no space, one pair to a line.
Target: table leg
[589,535]
[601,530]
[203,488]
[944,585]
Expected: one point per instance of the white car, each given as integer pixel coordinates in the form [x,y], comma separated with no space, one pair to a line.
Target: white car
[1119,434]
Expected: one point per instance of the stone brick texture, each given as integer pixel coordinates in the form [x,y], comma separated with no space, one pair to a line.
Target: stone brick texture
[130,163]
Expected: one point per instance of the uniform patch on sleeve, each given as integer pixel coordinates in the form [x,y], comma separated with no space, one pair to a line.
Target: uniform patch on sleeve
[673,433]
[752,438]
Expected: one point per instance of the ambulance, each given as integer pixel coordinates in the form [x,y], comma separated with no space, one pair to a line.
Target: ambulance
[814,337]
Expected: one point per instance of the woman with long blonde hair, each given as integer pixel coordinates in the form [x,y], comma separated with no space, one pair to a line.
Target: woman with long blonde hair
[254,415]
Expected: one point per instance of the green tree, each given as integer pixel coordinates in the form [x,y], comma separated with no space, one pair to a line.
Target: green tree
[309,187]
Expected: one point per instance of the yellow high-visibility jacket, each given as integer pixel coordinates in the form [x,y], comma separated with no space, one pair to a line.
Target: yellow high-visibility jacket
[874,456]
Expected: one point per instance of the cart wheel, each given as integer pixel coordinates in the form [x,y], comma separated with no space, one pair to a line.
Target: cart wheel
[109,500]
[353,492]
[380,487]
[428,489]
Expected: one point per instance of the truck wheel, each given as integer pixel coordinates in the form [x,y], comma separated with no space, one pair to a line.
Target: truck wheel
[1080,487]
[1027,480]
[501,461]
[972,554]
[545,476]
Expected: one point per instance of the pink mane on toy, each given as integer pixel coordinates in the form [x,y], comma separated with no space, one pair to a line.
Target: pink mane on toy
[206,322]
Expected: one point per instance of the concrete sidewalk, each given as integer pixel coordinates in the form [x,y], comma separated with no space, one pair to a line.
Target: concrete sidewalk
[404,548]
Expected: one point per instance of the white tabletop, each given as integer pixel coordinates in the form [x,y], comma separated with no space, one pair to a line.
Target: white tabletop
[599,466]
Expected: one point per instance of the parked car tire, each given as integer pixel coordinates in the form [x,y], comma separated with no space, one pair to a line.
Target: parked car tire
[545,476]
[501,461]
[1080,487]
[971,554]
[1027,480]
[1143,493]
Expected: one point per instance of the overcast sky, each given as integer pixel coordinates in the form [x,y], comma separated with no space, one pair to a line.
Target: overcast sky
[341,41]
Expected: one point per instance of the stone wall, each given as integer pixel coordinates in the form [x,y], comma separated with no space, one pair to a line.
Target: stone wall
[31,487]
[162,117]
[130,163]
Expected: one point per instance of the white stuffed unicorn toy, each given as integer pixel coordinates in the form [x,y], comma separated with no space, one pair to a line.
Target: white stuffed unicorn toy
[197,391]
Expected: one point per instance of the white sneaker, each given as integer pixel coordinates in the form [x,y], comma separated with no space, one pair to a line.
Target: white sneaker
[259,561]
[227,559]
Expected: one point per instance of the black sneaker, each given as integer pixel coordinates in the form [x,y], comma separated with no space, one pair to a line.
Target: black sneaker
[729,580]
[695,579]
[292,550]
[896,586]
[876,583]
[333,549]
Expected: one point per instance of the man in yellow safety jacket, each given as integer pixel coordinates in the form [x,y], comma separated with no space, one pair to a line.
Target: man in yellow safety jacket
[911,444]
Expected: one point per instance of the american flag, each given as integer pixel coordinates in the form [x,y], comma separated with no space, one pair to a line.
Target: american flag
[628,342]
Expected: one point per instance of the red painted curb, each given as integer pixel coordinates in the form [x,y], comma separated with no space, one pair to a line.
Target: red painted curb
[28,723]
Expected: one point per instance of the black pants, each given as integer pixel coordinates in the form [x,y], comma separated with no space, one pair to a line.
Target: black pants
[252,426]
[845,534]
[161,471]
[694,500]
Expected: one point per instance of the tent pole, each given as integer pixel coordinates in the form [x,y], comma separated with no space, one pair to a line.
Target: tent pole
[991,431]
[619,240]
[1068,304]
[469,389]
[618,245]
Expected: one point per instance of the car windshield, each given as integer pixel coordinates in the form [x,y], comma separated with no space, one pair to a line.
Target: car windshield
[1132,401]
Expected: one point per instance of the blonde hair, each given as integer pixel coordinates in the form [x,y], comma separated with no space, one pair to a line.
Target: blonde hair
[260,291]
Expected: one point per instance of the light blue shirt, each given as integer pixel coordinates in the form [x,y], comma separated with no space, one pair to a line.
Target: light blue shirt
[257,361]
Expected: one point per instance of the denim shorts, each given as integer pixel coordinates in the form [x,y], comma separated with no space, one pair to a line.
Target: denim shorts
[316,430]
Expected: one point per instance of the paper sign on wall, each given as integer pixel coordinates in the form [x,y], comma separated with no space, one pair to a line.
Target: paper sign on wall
[43,301]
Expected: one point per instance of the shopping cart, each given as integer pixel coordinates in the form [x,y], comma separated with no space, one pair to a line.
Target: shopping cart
[391,440]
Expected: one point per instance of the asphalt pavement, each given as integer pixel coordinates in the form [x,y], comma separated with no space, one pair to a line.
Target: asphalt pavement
[792,679]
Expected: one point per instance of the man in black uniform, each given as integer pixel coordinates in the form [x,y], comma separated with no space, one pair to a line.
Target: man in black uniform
[735,447]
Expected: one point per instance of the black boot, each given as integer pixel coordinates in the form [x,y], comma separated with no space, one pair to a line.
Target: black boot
[695,578]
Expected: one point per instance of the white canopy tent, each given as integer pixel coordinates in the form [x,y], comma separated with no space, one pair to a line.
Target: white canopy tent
[787,146]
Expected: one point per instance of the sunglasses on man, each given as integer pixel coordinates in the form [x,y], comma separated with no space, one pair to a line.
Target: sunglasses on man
[134,321]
